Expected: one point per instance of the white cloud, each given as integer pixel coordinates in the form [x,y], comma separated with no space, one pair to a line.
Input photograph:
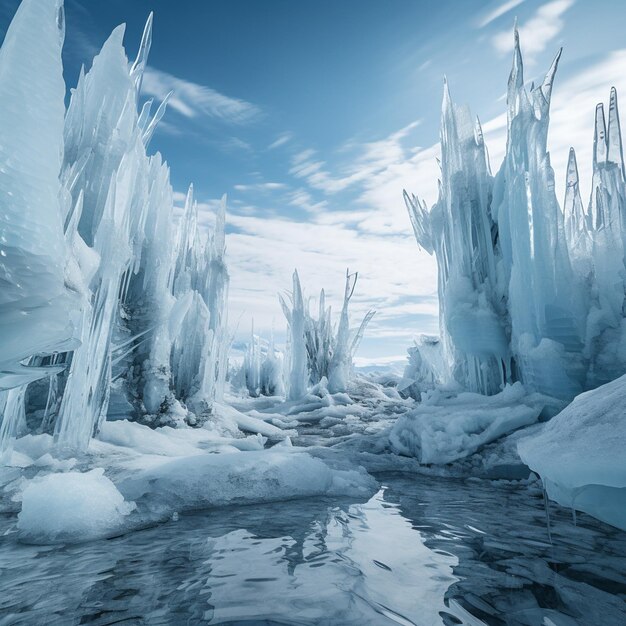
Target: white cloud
[302,199]
[371,158]
[281,140]
[269,186]
[395,278]
[193,100]
[498,11]
[373,235]
[537,32]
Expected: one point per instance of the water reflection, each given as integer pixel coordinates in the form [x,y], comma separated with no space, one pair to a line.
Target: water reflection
[422,551]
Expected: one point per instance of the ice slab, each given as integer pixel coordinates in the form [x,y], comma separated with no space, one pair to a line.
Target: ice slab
[580,454]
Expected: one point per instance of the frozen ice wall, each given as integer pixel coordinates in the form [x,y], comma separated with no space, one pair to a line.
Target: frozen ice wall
[97,293]
[527,291]
[38,293]
[34,295]
[317,349]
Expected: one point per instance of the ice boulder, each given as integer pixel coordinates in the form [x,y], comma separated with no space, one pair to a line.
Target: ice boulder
[581,454]
[446,427]
[71,507]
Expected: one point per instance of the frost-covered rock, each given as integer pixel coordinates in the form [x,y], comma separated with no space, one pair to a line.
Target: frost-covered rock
[446,427]
[581,454]
[71,506]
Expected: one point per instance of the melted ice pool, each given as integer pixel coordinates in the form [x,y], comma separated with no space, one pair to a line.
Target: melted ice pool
[422,551]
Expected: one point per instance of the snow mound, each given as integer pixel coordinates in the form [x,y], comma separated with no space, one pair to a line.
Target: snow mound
[445,428]
[580,454]
[215,480]
[71,506]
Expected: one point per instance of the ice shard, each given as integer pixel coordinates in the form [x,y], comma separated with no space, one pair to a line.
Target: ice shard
[297,383]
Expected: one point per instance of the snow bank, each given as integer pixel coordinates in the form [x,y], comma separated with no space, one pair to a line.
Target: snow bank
[73,506]
[445,428]
[214,480]
[581,454]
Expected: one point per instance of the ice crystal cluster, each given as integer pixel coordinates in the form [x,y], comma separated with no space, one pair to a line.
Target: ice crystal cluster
[528,291]
[317,349]
[261,373]
[105,306]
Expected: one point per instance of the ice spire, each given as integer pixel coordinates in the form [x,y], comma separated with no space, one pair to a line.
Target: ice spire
[298,370]
[548,81]
[614,134]
[139,66]
[154,122]
[516,94]
[576,223]
[599,138]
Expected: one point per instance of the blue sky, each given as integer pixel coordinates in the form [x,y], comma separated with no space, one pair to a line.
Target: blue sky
[313,116]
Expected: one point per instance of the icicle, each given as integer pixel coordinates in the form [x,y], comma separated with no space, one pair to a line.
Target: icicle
[546,507]
[13,418]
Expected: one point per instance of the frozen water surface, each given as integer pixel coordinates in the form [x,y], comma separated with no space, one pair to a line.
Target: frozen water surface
[422,551]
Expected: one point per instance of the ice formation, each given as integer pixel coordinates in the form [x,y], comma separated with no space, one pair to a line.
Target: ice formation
[317,350]
[95,298]
[528,292]
[579,454]
[72,506]
[425,369]
[261,372]
[447,427]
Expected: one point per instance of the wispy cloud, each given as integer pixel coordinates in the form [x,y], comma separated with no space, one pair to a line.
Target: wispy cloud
[195,101]
[269,186]
[302,199]
[369,159]
[498,11]
[281,140]
[537,32]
